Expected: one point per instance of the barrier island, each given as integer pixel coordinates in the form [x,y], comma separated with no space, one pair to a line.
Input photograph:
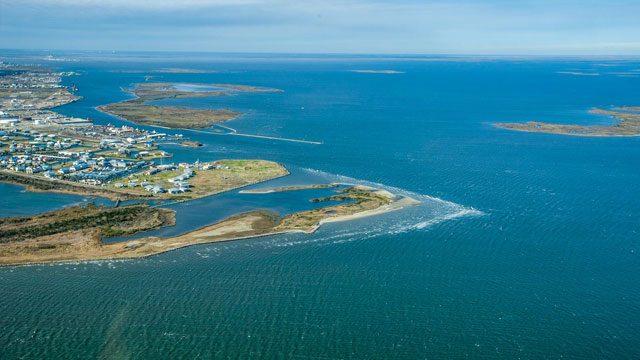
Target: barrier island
[75,234]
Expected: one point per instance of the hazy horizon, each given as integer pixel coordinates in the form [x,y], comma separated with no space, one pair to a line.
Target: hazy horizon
[408,27]
[363,55]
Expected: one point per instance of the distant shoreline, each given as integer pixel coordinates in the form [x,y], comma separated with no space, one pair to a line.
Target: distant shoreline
[627,125]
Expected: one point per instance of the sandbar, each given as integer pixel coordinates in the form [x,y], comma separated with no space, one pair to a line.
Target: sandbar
[85,244]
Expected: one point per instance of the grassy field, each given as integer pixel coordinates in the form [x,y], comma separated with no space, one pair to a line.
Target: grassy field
[110,221]
[167,116]
[232,174]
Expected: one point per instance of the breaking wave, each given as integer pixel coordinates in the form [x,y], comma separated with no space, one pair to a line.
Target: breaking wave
[430,212]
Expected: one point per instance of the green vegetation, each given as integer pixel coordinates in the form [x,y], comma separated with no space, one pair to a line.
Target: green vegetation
[356,199]
[355,193]
[136,110]
[110,221]
[227,175]
[167,116]
[38,183]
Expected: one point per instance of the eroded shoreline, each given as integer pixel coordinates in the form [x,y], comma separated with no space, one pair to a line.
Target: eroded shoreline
[86,244]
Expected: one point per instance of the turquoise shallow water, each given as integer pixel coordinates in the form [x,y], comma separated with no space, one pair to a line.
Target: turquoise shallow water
[526,245]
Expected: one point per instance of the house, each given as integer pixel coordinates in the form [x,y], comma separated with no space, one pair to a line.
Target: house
[182,184]
[91,181]
[78,167]
[118,163]
[9,121]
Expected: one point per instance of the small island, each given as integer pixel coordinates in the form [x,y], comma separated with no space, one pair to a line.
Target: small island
[182,71]
[366,71]
[75,234]
[191,144]
[138,111]
[627,124]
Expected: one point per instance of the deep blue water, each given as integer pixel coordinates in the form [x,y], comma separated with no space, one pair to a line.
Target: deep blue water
[526,245]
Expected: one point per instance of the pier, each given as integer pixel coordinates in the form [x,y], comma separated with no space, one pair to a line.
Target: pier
[231,131]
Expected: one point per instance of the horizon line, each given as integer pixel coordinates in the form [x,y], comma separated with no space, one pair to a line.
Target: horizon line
[353,54]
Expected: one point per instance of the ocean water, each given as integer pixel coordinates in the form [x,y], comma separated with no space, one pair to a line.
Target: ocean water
[525,246]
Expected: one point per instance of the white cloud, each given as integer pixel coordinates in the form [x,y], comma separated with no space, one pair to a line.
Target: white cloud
[416,26]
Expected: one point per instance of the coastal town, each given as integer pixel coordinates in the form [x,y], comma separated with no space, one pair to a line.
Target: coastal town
[38,142]
[44,150]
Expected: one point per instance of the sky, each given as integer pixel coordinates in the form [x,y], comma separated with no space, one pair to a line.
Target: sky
[493,27]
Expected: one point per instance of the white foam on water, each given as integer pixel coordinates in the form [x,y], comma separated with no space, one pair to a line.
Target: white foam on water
[459,214]
[430,212]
